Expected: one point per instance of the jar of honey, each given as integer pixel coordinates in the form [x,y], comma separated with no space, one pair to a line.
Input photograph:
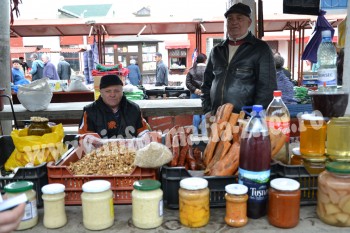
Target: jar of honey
[194,202]
[338,137]
[39,126]
[284,203]
[236,205]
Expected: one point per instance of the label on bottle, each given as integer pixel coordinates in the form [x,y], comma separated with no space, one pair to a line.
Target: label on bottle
[256,183]
[328,76]
[276,126]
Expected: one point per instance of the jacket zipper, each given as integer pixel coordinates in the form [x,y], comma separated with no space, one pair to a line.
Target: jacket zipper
[223,86]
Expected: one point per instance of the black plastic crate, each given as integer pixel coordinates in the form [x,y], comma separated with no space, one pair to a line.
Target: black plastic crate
[37,174]
[308,182]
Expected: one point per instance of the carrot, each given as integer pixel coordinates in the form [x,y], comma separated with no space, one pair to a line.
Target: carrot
[228,164]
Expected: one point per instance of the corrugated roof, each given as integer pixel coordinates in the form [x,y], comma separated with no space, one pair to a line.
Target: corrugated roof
[87,11]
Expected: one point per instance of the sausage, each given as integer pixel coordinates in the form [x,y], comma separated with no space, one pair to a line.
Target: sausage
[183,153]
[176,151]
[190,159]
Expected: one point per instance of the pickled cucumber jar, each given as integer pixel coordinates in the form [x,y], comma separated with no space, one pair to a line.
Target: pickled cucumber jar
[194,202]
[333,194]
[97,204]
[30,218]
[147,204]
[39,126]
[236,205]
[54,208]
[338,137]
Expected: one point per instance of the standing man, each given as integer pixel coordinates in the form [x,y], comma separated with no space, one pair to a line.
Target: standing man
[49,68]
[63,69]
[24,65]
[241,69]
[134,73]
[161,71]
[37,67]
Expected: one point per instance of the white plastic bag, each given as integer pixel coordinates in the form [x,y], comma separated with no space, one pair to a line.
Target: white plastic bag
[77,84]
[35,96]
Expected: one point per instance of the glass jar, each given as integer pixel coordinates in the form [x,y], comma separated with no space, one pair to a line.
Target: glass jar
[236,205]
[39,126]
[30,217]
[296,158]
[333,194]
[338,137]
[147,204]
[312,135]
[54,209]
[194,202]
[315,165]
[97,204]
[284,203]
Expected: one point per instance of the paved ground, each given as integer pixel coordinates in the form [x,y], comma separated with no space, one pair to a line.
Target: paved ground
[309,223]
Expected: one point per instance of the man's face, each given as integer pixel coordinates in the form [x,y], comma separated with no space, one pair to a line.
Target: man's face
[158,58]
[112,95]
[16,65]
[237,25]
[45,59]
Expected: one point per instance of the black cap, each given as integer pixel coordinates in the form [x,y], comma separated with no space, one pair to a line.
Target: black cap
[239,8]
[110,80]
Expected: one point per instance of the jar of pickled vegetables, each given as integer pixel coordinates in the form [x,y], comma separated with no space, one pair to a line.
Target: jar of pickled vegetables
[236,205]
[147,204]
[30,218]
[333,194]
[97,204]
[194,202]
[284,203]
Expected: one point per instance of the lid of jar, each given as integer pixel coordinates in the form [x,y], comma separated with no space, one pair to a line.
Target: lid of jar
[338,167]
[193,183]
[312,117]
[296,151]
[53,188]
[314,159]
[18,187]
[146,185]
[285,184]
[96,186]
[236,189]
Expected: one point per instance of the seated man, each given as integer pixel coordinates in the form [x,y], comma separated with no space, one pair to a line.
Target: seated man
[112,115]
[17,74]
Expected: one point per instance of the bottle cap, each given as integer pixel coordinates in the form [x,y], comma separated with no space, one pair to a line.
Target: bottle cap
[277,93]
[53,188]
[146,185]
[285,184]
[194,183]
[326,33]
[96,186]
[18,187]
[236,189]
[257,108]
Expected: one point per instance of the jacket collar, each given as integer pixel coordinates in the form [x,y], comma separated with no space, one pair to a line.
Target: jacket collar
[250,38]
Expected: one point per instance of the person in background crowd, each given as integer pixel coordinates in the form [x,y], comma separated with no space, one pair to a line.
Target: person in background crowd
[161,71]
[24,65]
[194,80]
[134,73]
[17,73]
[340,64]
[37,67]
[10,219]
[49,68]
[241,69]
[63,69]
[112,115]
[285,71]
[284,84]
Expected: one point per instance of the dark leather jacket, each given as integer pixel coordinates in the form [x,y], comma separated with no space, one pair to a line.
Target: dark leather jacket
[194,79]
[250,77]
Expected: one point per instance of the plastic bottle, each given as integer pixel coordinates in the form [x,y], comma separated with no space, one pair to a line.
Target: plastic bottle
[327,58]
[254,162]
[278,121]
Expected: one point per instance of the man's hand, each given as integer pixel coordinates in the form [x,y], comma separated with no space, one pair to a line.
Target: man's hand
[198,92]
[10,219]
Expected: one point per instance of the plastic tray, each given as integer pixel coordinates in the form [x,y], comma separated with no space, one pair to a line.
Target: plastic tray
[121,185]
[37,174]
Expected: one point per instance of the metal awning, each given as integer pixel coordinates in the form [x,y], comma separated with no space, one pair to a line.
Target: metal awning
[20,50]
[177,44]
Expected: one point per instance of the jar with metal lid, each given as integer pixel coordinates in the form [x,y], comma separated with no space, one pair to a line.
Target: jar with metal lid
[312,135]
[338,137]
[194,202]
[147,204]
[30,218]
[284,203]
[39,126]
[236,205]
[315,165]
[54,209]
[333,194]
[97,204]
[296,158]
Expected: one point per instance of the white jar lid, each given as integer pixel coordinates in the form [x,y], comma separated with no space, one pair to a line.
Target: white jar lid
[296,151]
[312,117]
[96,186]
[193,183]
[236,189]
[285,184]
[53,188]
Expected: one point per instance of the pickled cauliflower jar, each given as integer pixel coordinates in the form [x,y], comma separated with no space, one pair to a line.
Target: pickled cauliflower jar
[97,204]
[147,204]
[194,202]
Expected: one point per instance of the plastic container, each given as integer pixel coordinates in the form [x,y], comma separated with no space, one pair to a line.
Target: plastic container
[30,218]
[147,204]
[284,203]
[333,202]
[254,162]
[54,208]
[97,205]
[338,137]
[194,208]
[278,121]
[236,205]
